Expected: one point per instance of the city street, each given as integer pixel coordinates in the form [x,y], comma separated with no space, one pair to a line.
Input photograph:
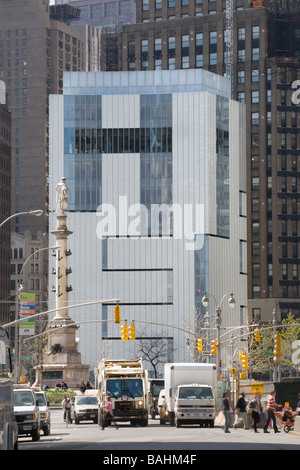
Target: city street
[89,436]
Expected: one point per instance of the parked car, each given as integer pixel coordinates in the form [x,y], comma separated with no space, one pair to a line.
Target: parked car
[45,414]
[85,408]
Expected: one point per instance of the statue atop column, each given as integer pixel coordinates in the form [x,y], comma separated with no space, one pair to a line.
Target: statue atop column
[61,196]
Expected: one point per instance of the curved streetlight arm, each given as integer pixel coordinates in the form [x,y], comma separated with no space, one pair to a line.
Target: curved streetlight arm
[37,213]
[56,247]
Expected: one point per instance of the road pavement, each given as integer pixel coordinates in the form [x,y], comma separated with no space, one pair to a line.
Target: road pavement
[154,437]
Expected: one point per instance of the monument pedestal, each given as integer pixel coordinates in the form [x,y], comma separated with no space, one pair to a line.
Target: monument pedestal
[63,361]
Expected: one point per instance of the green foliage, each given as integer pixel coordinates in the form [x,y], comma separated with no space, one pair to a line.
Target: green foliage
[261,356]
[55,397]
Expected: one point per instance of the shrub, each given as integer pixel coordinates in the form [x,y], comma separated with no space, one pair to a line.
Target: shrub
[55,397]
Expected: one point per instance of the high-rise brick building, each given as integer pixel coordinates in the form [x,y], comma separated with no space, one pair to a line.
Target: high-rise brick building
[5,132]
[173,34]
[34,52]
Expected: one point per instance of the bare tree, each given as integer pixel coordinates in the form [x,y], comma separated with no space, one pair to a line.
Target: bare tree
[154,349]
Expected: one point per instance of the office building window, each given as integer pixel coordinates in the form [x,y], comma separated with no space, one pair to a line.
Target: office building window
[96,11]
[213,58]
[254,75]
[199,60]
[171,63]
[213,37]
[255,32]
[255,96]
[241,76]
[255,53]
[241,34]
[145,5]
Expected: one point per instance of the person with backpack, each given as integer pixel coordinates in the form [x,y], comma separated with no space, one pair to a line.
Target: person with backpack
[241,409]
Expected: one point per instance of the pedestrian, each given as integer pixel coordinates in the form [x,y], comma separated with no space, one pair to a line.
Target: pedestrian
[298,404]
[261,412]
[66,407]
[82,387]
[109,413]
[271,408]
[255,414]
[227,411]
[241,409]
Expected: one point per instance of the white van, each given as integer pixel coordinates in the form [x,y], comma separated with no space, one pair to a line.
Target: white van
[27,412]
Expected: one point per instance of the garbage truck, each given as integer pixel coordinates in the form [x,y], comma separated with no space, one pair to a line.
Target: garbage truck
[126,383]
[190,393]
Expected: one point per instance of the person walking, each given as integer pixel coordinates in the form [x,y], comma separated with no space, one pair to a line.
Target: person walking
[241,409]
[227,411]
[257,396]
[298,404]
[271,408]
[109,413]
[255,414]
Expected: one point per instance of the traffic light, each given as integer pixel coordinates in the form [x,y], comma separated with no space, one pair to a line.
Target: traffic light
[117,314]
[131,331]
[214,347]
[199,344]
[124,332]
[245,362]
[256,335]
[277,348]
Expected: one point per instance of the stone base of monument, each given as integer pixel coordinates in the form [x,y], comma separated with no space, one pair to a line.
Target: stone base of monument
[62,362]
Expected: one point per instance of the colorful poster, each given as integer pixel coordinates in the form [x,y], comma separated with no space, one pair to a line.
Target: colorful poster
[26,309]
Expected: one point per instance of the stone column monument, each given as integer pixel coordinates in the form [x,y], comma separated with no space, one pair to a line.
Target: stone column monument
[63,358]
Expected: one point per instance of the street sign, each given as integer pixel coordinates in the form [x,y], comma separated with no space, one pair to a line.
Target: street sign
[257,387]
[233,371]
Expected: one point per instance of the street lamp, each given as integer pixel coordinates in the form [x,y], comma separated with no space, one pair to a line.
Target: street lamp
[231,303]
[19,289]
[37,213]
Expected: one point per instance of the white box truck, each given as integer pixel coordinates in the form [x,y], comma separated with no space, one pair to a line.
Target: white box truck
[190,393]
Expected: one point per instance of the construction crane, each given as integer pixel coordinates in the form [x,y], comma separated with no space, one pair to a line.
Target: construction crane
[229,42]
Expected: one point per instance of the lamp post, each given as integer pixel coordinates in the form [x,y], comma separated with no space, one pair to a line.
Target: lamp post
[17,366]
[37,213]
[231,303]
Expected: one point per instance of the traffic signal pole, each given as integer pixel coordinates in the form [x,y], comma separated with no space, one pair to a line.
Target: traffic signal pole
[277,352]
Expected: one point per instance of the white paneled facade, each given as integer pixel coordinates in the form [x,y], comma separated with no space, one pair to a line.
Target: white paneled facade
[129,142]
